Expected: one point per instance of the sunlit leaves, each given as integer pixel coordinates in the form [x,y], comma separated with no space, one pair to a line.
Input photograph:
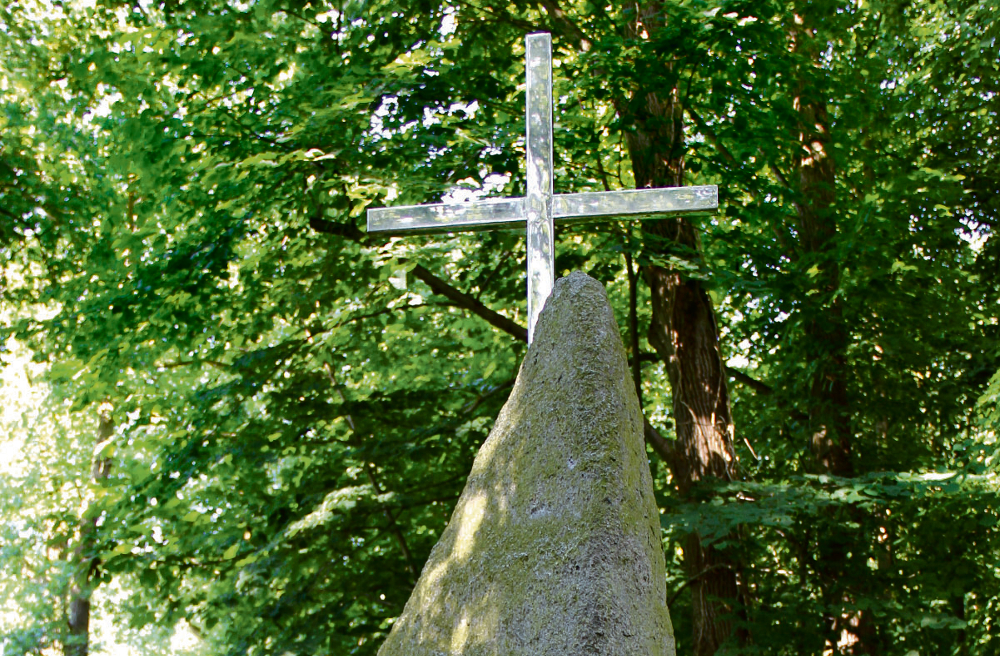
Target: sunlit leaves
[296,411]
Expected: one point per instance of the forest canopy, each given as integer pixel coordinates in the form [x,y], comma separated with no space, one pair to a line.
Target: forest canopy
[232,415]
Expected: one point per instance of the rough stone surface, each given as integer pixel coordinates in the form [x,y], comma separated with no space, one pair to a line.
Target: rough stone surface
[554,546]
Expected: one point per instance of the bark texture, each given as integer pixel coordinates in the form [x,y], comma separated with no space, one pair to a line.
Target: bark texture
[828,411]
[852,632]
[554,545]
[685,335]
[84,562]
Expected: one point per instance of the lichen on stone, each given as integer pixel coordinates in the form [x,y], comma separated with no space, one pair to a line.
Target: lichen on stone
[553,547]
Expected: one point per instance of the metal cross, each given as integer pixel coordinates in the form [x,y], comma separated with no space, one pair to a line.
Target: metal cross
[540,207]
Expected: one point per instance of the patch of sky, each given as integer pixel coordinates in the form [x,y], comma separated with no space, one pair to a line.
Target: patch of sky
[448,22]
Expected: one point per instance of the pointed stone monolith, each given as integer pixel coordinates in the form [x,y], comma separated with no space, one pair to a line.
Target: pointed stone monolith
[554,546]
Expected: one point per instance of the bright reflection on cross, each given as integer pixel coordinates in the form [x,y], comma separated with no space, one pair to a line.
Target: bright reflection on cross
[540,207]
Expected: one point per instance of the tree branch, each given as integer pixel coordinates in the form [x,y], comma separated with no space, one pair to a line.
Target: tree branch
[691,580]
[524,26]
[393,525]
[483,397]
[660,444]
[567,26]
[710,135]
[736,374]
[728,156]
[348,230]
[765,389]
[752,383]
[182,363]
[437,285]
[10,214]
[470,303]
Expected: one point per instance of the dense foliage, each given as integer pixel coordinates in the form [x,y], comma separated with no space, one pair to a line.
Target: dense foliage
[257,417]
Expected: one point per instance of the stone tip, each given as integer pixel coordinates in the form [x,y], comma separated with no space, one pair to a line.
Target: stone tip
[577,309]
[554,545]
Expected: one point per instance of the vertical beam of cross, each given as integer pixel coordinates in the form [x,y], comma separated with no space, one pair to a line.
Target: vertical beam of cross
[541,207]
[538,148]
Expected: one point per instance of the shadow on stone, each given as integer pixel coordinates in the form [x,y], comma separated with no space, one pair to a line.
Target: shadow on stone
[554,546]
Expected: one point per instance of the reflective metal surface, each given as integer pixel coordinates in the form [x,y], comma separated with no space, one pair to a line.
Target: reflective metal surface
[538,147]
[489,214]
[635,203]
[502,213]
[540,208]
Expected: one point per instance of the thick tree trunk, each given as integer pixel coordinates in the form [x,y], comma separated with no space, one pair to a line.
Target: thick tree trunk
[684,333]
[829,408]
[83,560]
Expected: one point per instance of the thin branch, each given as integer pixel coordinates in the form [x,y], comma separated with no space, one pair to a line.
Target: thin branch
[483,397]
[661,445]
[347,230]
[305,19]
[764,389]
[465,301]
[736,374]
[10,214]
[524,26]
[245,130]
[437,285]
[752,383]
[496,270]
[694,579]
[378,313]
[781,178]
[567,26]
[604,174]
[633,319]
[369,471]
[423,487]
[393,524]
[188,363]
[470,303]
[710,135]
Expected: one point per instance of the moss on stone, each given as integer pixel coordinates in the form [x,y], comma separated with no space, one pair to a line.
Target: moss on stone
[553,548]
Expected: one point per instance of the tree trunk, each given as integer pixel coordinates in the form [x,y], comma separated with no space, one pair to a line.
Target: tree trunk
[684,333]
[827,337]
[828,407]
[84,562]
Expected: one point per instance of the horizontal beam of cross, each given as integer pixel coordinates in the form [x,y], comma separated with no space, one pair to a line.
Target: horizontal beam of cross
[538,211]
[495,213]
